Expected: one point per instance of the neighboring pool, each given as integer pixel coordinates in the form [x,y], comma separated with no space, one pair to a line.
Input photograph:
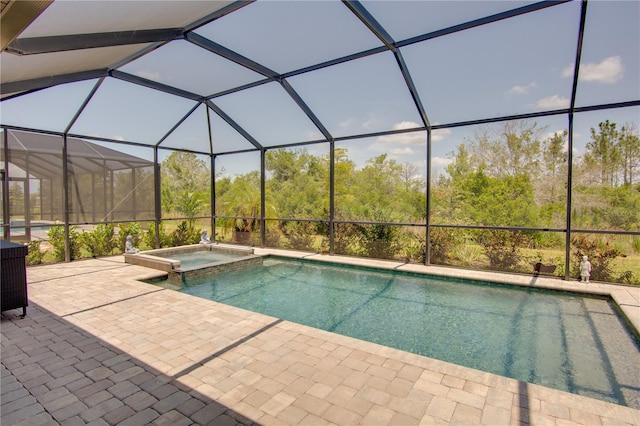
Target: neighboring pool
[17,226]
[560,340]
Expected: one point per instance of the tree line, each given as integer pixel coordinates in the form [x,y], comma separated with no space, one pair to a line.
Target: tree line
[507,175]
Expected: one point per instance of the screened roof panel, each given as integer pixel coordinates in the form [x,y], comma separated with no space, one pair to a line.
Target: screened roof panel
[610,68]
[223,51]
[291,34]
[356,97]
[192,134]
[225,137]
[125,111]
[17,68]
[186,66]
[270,115]
[82,17]
[47,109]
[480,73]
[405,19]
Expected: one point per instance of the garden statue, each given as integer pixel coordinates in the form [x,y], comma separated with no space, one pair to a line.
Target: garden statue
[204,238]
[585,269]
[129,248]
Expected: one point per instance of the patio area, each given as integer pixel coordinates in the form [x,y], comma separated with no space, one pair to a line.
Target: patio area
[98,346]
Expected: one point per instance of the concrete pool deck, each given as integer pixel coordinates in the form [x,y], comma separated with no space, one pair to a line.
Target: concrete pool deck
[100,347]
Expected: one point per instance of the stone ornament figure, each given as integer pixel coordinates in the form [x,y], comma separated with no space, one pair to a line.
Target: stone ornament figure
[585,269]
[129,248]
[204,238]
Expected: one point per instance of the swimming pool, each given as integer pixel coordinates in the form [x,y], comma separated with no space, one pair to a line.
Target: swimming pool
[560,340]
[17,226]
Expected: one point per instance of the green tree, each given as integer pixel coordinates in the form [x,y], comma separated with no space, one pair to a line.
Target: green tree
[185,184]
[554,155]
[379,187]
[550,189]
[490,178]
[344,171]
[603,154]
[450,199]
[16,196]
[514,150]
[298,184]
[499,201]
[629,153]
[242,202]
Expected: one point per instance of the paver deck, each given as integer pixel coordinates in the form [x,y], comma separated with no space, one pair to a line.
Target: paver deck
[100,347]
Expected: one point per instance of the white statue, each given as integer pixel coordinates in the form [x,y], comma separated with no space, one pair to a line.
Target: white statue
[129,248]
[585,269]
[204,238]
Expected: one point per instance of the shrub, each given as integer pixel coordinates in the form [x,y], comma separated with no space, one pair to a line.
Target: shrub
[443,241]
[379,241]
[56,239]
[469,254]
[35,256]
[132,229]
[299,235]
[344,239]
[600,253]
[149,237]
[185,234]
[101,241]
[272,237]
[415,248]
[502,247]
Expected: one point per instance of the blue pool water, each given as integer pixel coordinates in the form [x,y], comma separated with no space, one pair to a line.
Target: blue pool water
[17,226]
[560,340]
[202,257]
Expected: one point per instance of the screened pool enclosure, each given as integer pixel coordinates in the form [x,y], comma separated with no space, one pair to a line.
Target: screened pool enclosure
[477,134]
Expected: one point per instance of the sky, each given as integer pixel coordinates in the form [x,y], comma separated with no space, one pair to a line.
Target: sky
[514,66]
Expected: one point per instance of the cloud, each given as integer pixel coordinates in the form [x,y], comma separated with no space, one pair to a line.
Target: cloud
[550,135]
[402,151]
[371,122]
[552,102]
[440,161]
[608,71]
[346,123]
[440,135]
[314,134]
[413,138]
[523,90]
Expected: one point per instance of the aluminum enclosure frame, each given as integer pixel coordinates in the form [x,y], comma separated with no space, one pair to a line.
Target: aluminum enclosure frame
[163,35]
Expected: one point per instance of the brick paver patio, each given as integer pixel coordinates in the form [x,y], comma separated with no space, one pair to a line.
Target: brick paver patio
[100,347]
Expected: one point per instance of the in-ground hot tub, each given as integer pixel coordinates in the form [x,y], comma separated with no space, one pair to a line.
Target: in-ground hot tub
[192,261]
